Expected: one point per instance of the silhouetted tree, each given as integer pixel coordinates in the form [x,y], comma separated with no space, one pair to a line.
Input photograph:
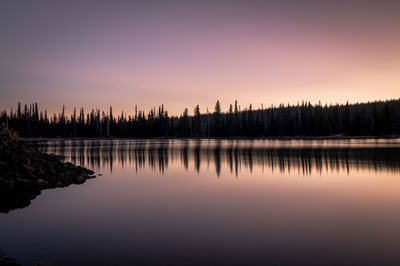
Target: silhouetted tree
[305,119]
[217,121]
[197,122]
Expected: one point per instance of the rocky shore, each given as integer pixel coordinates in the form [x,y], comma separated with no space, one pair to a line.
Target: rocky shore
[25,172]
[7,261]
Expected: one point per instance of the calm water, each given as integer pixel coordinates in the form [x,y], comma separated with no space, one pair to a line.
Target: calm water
[211,202]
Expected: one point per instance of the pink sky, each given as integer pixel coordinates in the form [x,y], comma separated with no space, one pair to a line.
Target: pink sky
[96,54]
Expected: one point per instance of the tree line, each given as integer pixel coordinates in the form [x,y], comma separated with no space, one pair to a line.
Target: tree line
[304,119]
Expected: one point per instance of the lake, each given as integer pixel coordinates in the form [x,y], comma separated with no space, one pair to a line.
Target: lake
[216,202]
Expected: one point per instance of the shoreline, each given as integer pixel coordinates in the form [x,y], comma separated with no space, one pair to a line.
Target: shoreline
[25,172]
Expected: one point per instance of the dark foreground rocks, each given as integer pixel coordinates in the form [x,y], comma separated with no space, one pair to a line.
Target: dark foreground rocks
[7,261]
[24,172]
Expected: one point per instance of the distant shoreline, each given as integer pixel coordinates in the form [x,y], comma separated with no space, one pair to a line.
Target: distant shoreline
[334,137]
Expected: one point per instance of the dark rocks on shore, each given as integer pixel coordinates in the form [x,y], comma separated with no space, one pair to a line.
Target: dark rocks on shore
[7,261]
[24,172]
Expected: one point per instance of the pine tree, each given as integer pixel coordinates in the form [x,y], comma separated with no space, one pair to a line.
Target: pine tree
[217,120]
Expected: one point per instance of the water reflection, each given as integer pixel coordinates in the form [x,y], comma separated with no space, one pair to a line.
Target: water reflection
[263,217]
[301,157]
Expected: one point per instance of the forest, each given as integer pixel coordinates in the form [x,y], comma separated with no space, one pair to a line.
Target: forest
[379,118]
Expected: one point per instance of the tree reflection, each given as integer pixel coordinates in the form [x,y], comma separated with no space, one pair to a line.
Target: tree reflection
[158,155]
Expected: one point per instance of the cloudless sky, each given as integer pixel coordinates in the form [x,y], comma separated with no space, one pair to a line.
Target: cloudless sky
[181,53]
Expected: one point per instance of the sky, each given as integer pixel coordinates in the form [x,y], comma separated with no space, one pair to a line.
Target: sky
[182,53]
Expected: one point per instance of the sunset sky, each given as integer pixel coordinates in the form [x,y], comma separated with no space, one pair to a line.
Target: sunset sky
[181,53]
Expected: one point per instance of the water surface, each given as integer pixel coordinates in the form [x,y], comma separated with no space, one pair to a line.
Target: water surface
[208,202]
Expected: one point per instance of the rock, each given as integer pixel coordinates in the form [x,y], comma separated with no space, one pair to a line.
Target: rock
[7,261]
[24,172]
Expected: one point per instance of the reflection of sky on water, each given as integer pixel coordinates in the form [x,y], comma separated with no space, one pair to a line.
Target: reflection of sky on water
[332,203]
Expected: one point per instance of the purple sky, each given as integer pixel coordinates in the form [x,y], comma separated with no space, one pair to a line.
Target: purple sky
[181,53]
